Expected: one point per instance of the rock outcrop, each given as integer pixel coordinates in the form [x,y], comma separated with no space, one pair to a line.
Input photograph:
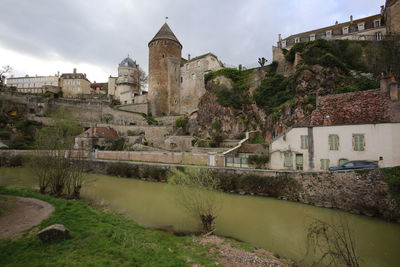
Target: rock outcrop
[53,233]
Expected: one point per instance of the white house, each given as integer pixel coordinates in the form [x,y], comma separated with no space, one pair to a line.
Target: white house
[352,126]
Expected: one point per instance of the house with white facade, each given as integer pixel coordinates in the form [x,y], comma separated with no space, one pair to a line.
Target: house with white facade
[352,126]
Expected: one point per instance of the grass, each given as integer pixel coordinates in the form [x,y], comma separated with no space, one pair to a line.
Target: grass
[98,238]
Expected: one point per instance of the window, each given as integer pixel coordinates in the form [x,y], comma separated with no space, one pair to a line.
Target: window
[329,34]
[283,43]
[342,161]
[333,142]
[324,164]
[345,30]
[304,141]
[312,37]
[361,26]
[378,36]
[288,162]
[299,162]
[297,40]
[377,23]
[358,142]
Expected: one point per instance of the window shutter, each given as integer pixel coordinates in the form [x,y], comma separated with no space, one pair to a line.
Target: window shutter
[333,142]
[359,142]
[288,159]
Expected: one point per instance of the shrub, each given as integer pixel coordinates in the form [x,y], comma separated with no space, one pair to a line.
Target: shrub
[272,92]
[258,160]
[392,177]
[154,173]
[181,122]
[11,161]
[123,170]
[5,134]
[329,60]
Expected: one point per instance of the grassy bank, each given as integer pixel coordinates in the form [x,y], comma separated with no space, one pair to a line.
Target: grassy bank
[98,238]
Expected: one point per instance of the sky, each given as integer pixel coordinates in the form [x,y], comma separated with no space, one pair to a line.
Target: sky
[42,37]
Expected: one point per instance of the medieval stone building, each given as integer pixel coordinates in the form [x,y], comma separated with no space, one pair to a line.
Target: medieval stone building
[124,87]
[164,73]
[175,84]
[374,28]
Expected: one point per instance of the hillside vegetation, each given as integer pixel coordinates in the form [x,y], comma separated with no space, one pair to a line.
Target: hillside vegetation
[262,99]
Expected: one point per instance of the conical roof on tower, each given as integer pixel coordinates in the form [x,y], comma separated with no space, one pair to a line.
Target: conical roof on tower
[165,33]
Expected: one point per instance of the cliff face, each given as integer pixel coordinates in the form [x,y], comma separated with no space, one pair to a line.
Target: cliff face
[233,121]
[299,101]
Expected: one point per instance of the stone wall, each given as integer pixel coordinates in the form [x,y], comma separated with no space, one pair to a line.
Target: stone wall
[284,67]
[158,157]
[142,108]
[150,132]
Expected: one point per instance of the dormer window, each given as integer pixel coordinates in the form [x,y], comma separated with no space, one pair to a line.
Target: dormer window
[378,36]
[312,37]
[283,43]
[329,34]
[361,26]
[297,40]
[346,30]
[377,23]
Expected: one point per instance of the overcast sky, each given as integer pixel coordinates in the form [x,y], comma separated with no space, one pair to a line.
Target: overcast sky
[45,36]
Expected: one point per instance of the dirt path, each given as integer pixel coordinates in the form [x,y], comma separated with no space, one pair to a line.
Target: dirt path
[20,213]
[236,257]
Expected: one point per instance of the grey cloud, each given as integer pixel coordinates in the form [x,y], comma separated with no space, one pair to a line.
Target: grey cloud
[103,32]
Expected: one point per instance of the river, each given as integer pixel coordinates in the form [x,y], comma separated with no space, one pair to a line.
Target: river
[276,225]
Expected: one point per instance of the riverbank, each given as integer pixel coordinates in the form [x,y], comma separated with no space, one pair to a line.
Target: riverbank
[102,238]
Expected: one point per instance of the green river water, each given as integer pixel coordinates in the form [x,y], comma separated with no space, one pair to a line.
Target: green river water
[276,225]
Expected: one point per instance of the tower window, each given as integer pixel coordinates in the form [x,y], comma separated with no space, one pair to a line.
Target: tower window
[163,56]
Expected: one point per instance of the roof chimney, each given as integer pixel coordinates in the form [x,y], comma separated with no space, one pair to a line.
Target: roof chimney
[351,19]
[279,37]
[337,22]
[188,56]
[74,70]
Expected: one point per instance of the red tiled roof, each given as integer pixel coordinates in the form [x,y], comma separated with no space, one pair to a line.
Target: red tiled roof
[364,107]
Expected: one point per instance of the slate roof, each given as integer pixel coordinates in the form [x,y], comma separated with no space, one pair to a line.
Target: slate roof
[165,33]
[128,62]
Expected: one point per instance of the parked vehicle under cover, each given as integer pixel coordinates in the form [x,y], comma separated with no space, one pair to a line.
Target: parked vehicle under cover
[355,164]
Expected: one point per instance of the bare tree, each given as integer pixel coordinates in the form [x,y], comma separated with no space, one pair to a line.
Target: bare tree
[142,78]
[194,190]
[54,166]
[332,244]
[3,71]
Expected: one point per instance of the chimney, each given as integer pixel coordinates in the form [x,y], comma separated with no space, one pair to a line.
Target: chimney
[188,56]
[337,22]
[280,37]
[382,10]
[74,70]
[351,19]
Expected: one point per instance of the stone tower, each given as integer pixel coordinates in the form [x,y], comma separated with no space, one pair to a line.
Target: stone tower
[164,73]
[127,82]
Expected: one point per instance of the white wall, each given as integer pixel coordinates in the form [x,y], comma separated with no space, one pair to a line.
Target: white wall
[381,140]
